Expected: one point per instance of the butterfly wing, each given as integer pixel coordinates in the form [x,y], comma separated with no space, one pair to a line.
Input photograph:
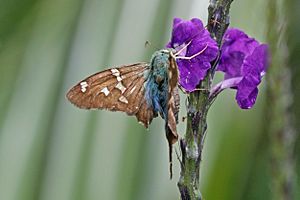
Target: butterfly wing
[115,89]
[173,101]
[173,107]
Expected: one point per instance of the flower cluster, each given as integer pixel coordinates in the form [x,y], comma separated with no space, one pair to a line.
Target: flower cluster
[243,60]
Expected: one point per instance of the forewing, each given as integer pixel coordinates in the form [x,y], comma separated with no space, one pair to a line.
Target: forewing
[115,89]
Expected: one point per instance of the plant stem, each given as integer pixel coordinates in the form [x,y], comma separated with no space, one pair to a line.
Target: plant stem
[198,104]
[280,98]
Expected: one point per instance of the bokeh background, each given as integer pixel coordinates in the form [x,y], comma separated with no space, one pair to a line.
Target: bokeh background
[51,150]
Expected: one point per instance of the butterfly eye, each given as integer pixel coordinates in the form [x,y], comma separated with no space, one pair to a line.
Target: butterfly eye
[159,79]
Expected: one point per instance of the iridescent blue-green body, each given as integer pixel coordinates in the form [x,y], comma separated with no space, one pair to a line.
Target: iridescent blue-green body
[157,84]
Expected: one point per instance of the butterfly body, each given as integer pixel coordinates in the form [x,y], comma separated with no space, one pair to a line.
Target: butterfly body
[156,86]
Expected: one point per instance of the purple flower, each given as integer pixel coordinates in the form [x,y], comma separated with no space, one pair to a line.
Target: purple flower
[244,61]
[191,38]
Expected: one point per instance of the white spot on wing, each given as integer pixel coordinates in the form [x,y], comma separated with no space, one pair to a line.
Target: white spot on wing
[105,91]
[116,73]
[170,74]
[121,87]
[132,90]
[123,99]
[119,78]
[83,86]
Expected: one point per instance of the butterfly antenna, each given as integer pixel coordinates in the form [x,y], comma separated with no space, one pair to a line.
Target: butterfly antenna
[183,48]
[148,44]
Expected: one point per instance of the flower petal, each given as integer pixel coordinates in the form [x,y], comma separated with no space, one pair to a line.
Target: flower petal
[236,47]
[191,73]
[256,62]
[192,36]
[185,31]
[203,42]
[247,92]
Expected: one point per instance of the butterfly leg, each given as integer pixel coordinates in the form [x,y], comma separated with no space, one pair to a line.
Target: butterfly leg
[201,89]
[178,155]
[183,48]
[193,56]
[182,89]
[186,92]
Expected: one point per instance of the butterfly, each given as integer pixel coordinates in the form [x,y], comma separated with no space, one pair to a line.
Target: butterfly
[143,90]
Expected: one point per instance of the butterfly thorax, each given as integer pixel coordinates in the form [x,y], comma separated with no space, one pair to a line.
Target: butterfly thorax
[157,83]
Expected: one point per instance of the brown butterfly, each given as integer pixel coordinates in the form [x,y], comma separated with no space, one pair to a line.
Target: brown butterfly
[140,89]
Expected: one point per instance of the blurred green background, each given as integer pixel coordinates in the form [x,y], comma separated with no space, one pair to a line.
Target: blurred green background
[51,150]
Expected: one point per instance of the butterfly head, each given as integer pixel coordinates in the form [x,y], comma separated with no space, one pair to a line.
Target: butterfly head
[161,58]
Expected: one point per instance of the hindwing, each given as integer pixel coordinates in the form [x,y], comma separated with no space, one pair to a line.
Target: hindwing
[172,102]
